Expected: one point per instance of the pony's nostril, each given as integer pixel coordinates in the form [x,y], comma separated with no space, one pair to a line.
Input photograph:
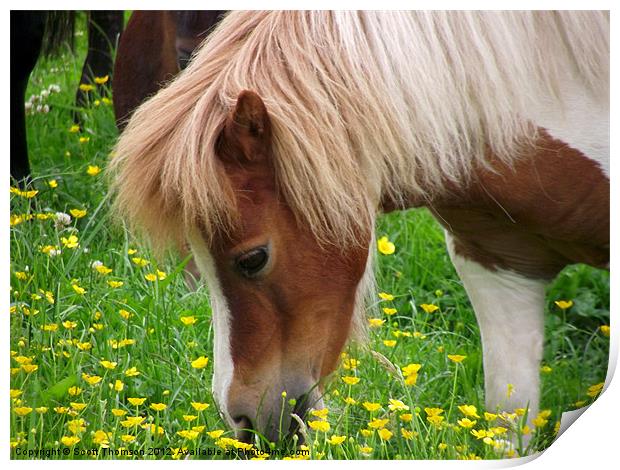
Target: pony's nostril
[242,422]
[244,428]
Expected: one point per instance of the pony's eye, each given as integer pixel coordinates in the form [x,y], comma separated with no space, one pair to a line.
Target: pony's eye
[252,262]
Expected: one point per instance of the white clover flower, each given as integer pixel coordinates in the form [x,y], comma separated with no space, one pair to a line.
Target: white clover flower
[62,219]
[95,264]
[46,109]
[44,94]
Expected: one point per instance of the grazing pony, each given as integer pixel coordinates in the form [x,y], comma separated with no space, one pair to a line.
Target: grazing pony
[274,151]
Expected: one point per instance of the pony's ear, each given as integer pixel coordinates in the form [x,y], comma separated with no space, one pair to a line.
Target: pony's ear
[247,131]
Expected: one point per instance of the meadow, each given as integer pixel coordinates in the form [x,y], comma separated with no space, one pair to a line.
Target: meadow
[111,350]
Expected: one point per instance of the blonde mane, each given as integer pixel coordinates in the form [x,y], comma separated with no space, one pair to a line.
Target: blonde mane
[364,105]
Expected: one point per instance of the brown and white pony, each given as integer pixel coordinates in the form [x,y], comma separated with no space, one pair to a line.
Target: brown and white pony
[495,121]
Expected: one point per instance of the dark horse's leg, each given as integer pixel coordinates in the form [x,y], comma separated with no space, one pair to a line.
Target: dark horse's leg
[27,29]
[104,29]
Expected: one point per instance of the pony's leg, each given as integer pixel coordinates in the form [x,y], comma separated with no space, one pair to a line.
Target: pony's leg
[509,310]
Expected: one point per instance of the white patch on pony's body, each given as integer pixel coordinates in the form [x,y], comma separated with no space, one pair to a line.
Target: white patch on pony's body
[581,121]
[509,310]
[222,358]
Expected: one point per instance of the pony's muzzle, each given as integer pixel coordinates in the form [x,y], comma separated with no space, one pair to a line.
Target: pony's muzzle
[274,423]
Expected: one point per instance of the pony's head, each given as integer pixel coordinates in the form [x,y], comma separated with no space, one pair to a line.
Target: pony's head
[282,301]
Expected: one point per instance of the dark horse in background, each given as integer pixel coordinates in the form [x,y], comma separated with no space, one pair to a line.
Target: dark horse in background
[153,48]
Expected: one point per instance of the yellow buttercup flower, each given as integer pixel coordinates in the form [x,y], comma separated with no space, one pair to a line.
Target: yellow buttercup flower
[86,87]
[350,380]
[102,80]
[319,425]
[605,330]
[74,129]
[69,441]
[158,406]
[469,410]
[128,438]
[124,314]
[397,405]
[546,369]
[131,421]
[115,284]
[385,246]
[200,363]
[466,422]
[375,322]
[199,406]
[69,325]
[429,308]
[595,390]
[91,379]
[70,242]
[189,320]
[564,304]
[406,417]
[371,406]
[389,311]
[456,357]
[101,438]
[350,363]
[118,386]
[78,213]
[377,423]
[78,290]
[215,434]
[132,372]
[336,440]
[102,269]
[22,410]
[386,296]
[321,414]
[385,434]
[108,364]
[50,327]
[150,277]
[93,170]
[390,343]
[407,434]
[139,261]
[76,426]
[118,412]
[136,401]
[52,184]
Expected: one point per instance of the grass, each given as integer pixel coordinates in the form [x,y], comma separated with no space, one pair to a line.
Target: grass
[67,320]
